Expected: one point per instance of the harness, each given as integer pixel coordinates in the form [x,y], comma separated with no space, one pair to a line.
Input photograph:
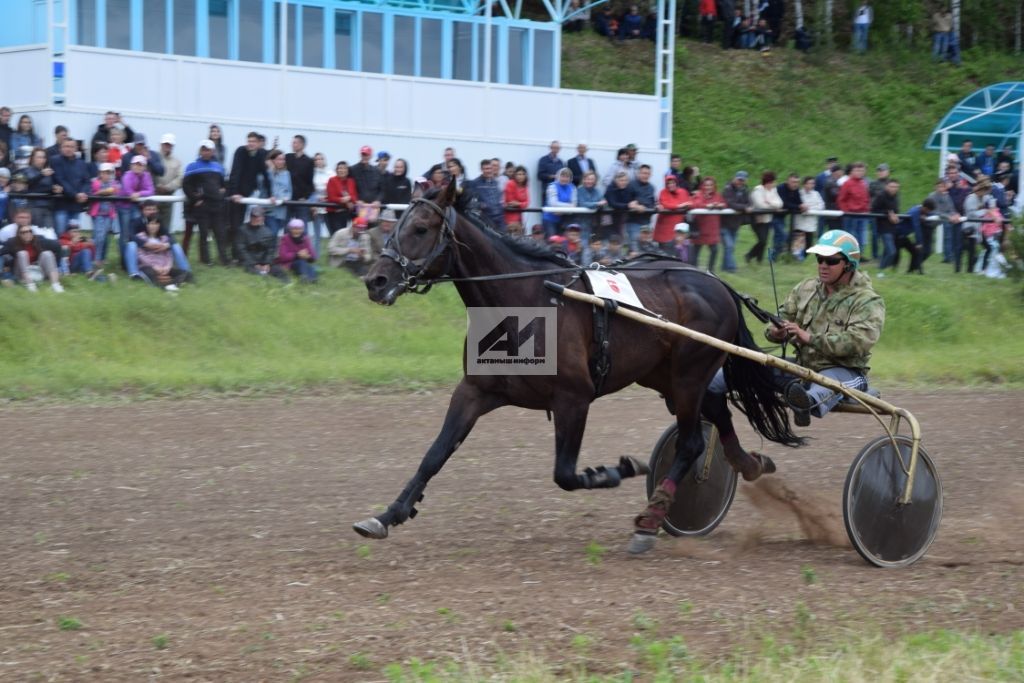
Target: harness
[412,268]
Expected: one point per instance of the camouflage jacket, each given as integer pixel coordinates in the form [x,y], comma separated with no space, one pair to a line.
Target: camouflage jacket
[843,326]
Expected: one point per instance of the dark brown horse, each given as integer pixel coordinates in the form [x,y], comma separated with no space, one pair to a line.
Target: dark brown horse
[435,241]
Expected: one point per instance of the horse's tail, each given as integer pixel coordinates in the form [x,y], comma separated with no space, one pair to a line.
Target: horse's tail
[752,388]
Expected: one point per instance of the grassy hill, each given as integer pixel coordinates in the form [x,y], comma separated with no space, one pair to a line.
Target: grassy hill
[788,111]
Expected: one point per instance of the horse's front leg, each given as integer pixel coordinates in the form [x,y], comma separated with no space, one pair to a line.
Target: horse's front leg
[467,404]
[570,421]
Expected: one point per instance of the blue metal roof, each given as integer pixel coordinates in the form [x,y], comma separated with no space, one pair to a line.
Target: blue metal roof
[990,116]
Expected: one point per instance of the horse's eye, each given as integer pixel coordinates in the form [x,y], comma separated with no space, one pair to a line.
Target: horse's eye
[421,230]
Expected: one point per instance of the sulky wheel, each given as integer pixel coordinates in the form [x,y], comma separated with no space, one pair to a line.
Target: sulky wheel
[884,532]
[705,493]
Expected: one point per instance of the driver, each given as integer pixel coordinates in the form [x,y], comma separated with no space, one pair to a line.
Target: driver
[833,320]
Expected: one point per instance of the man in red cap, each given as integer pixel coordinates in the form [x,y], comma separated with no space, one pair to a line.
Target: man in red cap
[367,177]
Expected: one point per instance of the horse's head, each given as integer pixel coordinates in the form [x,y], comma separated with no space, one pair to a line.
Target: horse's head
[419,249]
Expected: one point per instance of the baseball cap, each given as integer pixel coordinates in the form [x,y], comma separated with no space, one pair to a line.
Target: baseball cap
[139,139]
[139,159]
[573,226]
[683,227]
[5,172]
[168,139]
[882,167]
[207,144]
[388,215]
[631,146]
[366,149]
[73,224]
[297,223]
[741,175]
[383,155]
[556,239]
[106,166]
[360,222]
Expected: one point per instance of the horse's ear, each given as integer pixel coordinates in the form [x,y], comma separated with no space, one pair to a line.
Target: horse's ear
[448,194]
[417,189]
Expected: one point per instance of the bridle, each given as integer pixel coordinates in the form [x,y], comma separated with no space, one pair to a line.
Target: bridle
[412,269]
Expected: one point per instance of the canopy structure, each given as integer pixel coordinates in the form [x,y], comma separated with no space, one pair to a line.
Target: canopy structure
[990,116]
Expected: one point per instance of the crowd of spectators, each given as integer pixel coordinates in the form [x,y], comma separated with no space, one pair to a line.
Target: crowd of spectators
[266,211]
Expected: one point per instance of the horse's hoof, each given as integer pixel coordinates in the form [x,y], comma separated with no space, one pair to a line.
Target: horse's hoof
[371,528]
[632,467]
[640,543]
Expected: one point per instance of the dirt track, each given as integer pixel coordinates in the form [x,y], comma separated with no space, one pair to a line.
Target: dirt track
[224,525]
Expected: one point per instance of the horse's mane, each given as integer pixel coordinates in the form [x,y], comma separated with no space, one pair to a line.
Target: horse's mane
[528,248]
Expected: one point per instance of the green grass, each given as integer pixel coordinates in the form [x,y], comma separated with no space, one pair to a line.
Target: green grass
[931,656]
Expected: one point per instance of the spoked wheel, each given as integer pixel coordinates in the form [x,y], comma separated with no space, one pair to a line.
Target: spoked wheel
[884,532]
[705,493]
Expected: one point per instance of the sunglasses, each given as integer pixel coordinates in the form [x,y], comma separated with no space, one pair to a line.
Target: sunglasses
[24,232]
[830,260]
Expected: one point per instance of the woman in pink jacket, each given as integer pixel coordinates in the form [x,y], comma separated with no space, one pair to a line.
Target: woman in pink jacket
[295,252]
[136,183]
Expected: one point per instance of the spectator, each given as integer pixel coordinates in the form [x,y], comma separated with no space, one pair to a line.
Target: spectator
[561,193]
[605,23]
[5,159]
[942,26]
[736,196]
[727,14]
[641,205]
[620,165]
[5,126]
[456,173]
[826,173]
[350,248]
[690,180]
[102,135]
[204,196]
[887,203]
[23,218]
[514,229]
[672,198]
[248,178]
[681,244]
[149,213]
[774,14]
[156,261]
[103,213]
[975,212]
[618,197]
[487,192]
[321,176]
[136,184]
[831,196]
[675,169]
[80,250]
[367,177]
[301,170]
[216,136]
[745,33]
[549,166]
[40,181]
[25,135]
[5,181]
[256,247]
[789,193]
[968,159]
[34,256]
[341,189]
[762,36]
[589,196]
[803,40]
[875,188]
[169,182]
[59,135]
[765,197]
[295,252]
[71,176]
[579,18]
[280,191]
[987,160]
[862,18]
[117,148]
[154,164]
[580,164]
[517,195]
[708,17]
[19,185]
[449,154]
[645,243]
[947,215]
[383,159]
[397,188]
[805,227]
[922,230]
[855,198]
[632,24]
[705,230]
[381,233]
